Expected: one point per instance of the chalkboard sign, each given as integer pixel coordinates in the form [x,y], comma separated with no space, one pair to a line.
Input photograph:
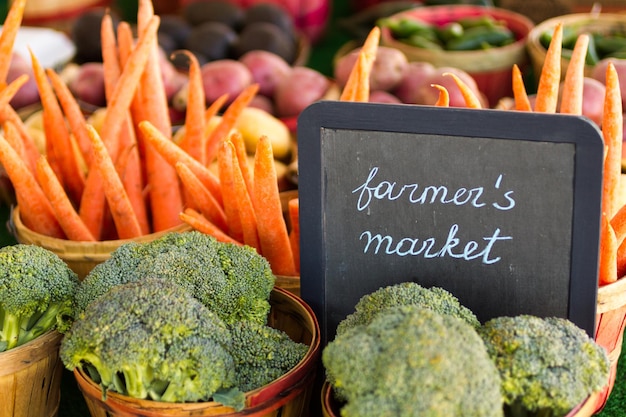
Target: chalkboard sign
[500,208]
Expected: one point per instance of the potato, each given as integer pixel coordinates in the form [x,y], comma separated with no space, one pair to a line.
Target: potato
[387,71]
[599,73]
[380,96]
[593,99]
[267,69]
[255,122]
[415,76]
[88,84]
[427,94]
[302,87]
[28,93]
[225,76]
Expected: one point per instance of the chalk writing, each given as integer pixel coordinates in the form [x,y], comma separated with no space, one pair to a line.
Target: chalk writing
[430,194]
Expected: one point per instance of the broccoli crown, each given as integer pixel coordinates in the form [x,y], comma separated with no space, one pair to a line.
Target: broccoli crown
[37,291]
[151,339]
[262,353]
[412,361]
[547,365]
[233,281]
[406,293]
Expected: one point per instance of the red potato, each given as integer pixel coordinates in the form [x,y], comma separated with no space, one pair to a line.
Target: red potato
[428,95]
[224,76]
[599,73]
[302,87]
[380,96]
[29,93]
[593,99]
[387,72]
[267,69]
[88,84]
[263,102]
[415,75]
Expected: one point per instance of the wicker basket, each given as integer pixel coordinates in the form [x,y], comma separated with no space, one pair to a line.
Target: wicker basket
[288,396]
[586,22]
[491,68]
[81,257]
[331,408]
[611,319]
[30,378]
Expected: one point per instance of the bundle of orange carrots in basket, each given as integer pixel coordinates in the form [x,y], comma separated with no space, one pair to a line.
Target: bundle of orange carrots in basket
[131,176]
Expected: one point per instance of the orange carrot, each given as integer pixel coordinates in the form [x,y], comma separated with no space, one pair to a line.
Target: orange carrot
[275,244]
[229,196]
[612,132]
[11,26]
[73,114]
[193,142]
[357,86]
[121,209]
[229,120]
[166,200]
[204,200]
[211,111]
[247,213]
[110,58]
[201,224]
[443,100]
[7,94]
[520,96]
[469,96]
[93,204]
[293,210]
[618,223]
[58,141]
[35,209]
[8,113]
[608,253]
[68,218]
[242,157]
[550,77]
[13,137]
[173,154]
[572,90]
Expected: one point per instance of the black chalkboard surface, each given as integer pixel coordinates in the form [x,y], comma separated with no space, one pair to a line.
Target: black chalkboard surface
[500,208]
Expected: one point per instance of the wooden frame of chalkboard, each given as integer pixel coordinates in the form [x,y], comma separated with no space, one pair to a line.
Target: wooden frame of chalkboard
[501,208]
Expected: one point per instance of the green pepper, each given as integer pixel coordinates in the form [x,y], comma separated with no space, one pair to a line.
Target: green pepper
[450,31]
[592,57]
[480,36]
[608,44]
[422,42]
[482,21]
[405,27]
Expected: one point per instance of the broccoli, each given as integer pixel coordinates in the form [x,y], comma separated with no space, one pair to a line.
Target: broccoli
[547,365]
[37,290]
[406,293]
[413,361]
[233,281]
[262,353]
[151,339]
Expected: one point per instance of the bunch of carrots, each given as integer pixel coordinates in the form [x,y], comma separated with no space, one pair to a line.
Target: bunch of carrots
[130,177]
[613,220]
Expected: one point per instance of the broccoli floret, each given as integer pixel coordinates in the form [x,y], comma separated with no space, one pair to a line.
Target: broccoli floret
[37,290]
[547,365]
[262,354]
[412,361]
[151,339]
[233,281]
[406,293]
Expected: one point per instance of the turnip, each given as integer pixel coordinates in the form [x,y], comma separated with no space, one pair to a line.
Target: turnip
[593,99]
[599,73]
[28,93]
[387,72]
